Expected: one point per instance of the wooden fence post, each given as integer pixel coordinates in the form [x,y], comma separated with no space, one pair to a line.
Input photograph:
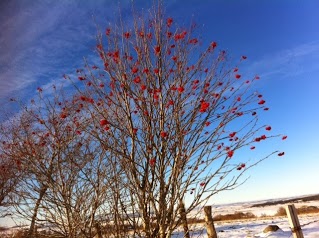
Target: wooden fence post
[294,221]
[98,230]
[210,228]
[184,219]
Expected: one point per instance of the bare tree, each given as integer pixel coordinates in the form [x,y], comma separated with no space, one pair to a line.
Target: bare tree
[36,139]
[160,122]
[69,176]
[10,175]
[176,115]
[45,141]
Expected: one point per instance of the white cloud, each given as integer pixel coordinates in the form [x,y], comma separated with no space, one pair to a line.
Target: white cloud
[42,40]
[289,63]
[39,42]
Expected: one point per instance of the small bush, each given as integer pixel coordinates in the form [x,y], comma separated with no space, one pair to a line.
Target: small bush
[281,212]
[307,209]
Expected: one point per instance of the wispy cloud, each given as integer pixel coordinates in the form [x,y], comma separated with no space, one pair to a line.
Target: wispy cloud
[40,41]
[19,53]
[289,63]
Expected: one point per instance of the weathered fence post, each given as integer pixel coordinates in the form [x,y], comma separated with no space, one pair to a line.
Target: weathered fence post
[210,228]
[182,212]
[98,230]
[294,221]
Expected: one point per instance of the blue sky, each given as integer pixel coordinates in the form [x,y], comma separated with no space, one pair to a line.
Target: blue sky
[42,40]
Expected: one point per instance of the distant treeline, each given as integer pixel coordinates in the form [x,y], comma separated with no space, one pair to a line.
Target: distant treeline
[291,200]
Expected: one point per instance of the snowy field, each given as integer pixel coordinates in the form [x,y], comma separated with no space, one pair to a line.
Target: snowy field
[254,227]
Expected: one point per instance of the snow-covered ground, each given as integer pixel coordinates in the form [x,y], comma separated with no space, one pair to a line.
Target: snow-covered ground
[253,228]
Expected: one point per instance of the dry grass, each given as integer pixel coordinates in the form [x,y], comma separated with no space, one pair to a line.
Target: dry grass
[301,210]
[235,216]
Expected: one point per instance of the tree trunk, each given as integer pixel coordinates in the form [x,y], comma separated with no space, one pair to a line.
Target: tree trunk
[211,232]
[35,212]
